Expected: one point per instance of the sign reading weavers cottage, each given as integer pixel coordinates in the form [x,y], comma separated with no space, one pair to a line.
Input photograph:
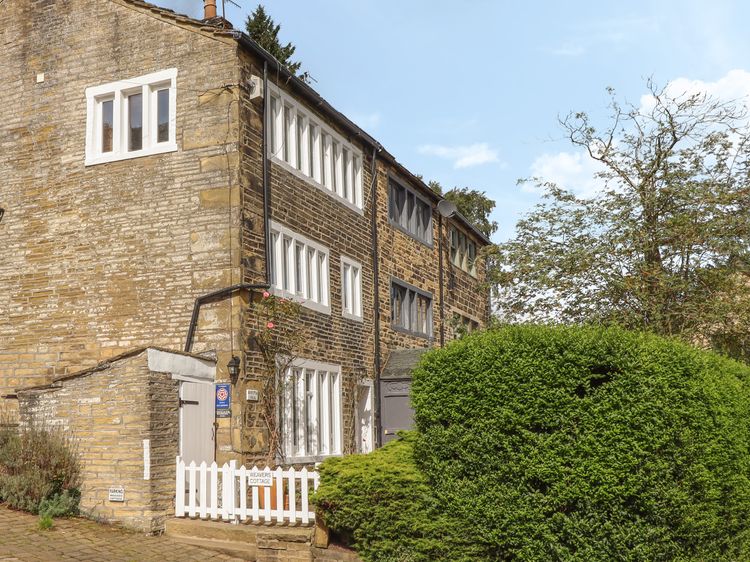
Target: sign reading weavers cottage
[260,478]
[223,400]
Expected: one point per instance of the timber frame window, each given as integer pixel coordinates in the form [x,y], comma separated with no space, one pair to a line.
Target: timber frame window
[409,212]
[131,118]
[306,146]
[463,325]
[310,411]
[411,309]
[463,251]
[299,268]
[351,289]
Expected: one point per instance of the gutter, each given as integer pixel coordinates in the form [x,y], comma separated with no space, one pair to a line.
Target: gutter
[318,102]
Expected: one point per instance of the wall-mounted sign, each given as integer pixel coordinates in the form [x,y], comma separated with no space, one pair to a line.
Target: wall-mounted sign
[223,400]
[251,395]
[264,478]
[117,494]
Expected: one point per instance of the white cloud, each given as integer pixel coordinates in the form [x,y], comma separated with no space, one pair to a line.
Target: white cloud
[616,32]
[576,171]
[463,156]
[573,171]
[733,86]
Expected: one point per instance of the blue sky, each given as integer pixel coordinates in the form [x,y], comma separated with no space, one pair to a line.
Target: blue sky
[468,93]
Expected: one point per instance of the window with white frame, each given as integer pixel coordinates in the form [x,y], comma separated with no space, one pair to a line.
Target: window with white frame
[410,212]
[463,251]
[131,118]
[299,268]
[304,143]
[351,288]
[411,309]
[310,410]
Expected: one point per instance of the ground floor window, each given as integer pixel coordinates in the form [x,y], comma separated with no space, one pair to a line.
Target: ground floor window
[310,410]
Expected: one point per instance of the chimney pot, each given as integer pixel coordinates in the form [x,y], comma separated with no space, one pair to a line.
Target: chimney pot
[209,9]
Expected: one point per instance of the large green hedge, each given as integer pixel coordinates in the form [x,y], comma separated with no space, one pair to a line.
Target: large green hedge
[381,504]
[587,444]
[538,444]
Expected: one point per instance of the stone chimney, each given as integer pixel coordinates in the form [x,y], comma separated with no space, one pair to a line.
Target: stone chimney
[209,9]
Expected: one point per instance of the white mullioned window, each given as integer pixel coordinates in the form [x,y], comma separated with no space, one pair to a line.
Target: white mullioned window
[409,212]
[131,118]
[463,251]
[314,150]
[299,268]
[310,412]
[411,309]
[351,288]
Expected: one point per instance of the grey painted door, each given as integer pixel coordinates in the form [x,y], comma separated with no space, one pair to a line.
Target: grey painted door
[396,412]
[197,422]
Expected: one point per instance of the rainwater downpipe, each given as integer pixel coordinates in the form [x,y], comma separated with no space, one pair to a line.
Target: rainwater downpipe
[376,291]
[227,291]
[266,183]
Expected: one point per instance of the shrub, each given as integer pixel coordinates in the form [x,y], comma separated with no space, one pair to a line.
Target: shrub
[45,522]
[39,471]
[584,444]
[381,505]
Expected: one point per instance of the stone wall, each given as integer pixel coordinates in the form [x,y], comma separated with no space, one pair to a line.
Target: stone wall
[306,209]
[107,257]
[108,412]
[100,259]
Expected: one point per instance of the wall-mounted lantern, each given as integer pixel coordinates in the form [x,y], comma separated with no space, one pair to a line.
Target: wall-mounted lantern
[234,369]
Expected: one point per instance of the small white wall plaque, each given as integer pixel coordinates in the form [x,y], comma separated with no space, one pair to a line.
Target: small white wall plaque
[251,395]
[147,459]
[117,494]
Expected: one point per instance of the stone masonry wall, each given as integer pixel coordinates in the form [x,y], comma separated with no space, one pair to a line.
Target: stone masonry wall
[108,413]
[306,209]
[100,259]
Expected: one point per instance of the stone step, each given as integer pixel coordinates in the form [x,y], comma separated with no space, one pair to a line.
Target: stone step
[235,540]
[240,540]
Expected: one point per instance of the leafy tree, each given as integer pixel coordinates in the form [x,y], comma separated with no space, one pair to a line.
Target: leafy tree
[472,204]
[263,30]
[663,246]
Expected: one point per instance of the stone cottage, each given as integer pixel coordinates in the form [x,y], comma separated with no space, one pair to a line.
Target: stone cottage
[168,185]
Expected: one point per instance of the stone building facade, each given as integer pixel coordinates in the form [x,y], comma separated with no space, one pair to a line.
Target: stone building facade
[150,159]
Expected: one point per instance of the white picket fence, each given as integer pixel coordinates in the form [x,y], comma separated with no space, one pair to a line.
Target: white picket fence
[230,493]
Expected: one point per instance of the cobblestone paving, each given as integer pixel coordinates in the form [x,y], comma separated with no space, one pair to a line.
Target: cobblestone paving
[79,539]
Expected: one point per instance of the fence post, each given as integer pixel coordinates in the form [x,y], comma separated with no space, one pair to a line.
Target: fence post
[214,491]
[179,498]
[202,486]
[191,491]
[232,491]
[303,497]
[279,495]
[292,494]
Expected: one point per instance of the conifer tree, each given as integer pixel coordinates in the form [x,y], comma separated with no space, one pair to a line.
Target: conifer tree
[263,30]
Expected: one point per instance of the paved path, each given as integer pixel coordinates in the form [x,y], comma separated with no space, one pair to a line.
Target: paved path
[79,539]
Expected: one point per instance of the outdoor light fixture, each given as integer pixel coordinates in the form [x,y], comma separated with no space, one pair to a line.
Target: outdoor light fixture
[234,368]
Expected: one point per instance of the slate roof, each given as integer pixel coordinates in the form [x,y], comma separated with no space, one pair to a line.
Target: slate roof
[401,363]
